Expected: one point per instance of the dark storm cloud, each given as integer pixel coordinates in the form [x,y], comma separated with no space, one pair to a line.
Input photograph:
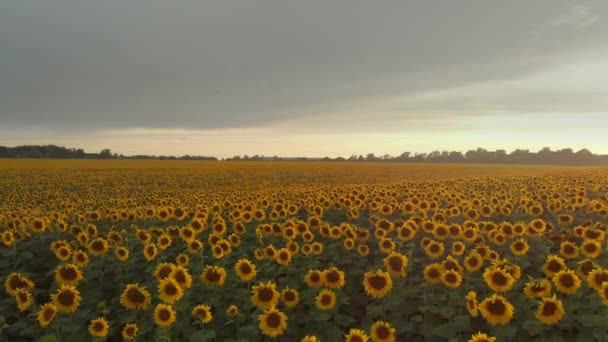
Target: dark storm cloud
[214,64]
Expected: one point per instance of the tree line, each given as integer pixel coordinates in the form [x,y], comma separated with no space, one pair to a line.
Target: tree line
[545,156]
[58,152]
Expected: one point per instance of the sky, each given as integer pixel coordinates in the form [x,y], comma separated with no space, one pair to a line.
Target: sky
[304,78]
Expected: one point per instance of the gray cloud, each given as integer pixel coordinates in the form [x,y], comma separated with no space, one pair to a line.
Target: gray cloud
[213,64]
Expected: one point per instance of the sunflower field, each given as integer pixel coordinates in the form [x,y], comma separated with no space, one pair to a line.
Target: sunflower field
[286,251]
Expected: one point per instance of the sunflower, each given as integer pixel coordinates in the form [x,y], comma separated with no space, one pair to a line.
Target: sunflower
[472,305]
[182,260]
[164,315]
[382,332]
[356,335]
[290,297]
[317,248]
[202,312]
[122,253]
[129,332]
[553,265]
[550,310]
[99,327]
[150,251]
[265,295]
[473,261]
[213,276]
[481,337]
[569,250]
[496,309]
[245,269]
[566,281]
[16,281]
[272,322]
[591,249]
[46,314]
[80,258]
[314,278]
[537,289]
[519,247]
[232,311]
[8,238]
[135,297]
[432,273]
[458,248]
[325,300]
[98,246]
[596,278]
[435,249]
[498,280]
[169,290]
[603,292]
[24,299]
[68,274]
[377,283]
[451,264]
[396,264]
[163,270]
[363,250]
[182,277]
[67,299]
[283,257]
[585,267]
[309,338]
[333,278]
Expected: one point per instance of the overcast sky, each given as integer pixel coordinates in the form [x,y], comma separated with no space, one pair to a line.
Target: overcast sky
[304,78]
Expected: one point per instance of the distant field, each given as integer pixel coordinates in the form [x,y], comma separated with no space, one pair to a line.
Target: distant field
[248,251]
